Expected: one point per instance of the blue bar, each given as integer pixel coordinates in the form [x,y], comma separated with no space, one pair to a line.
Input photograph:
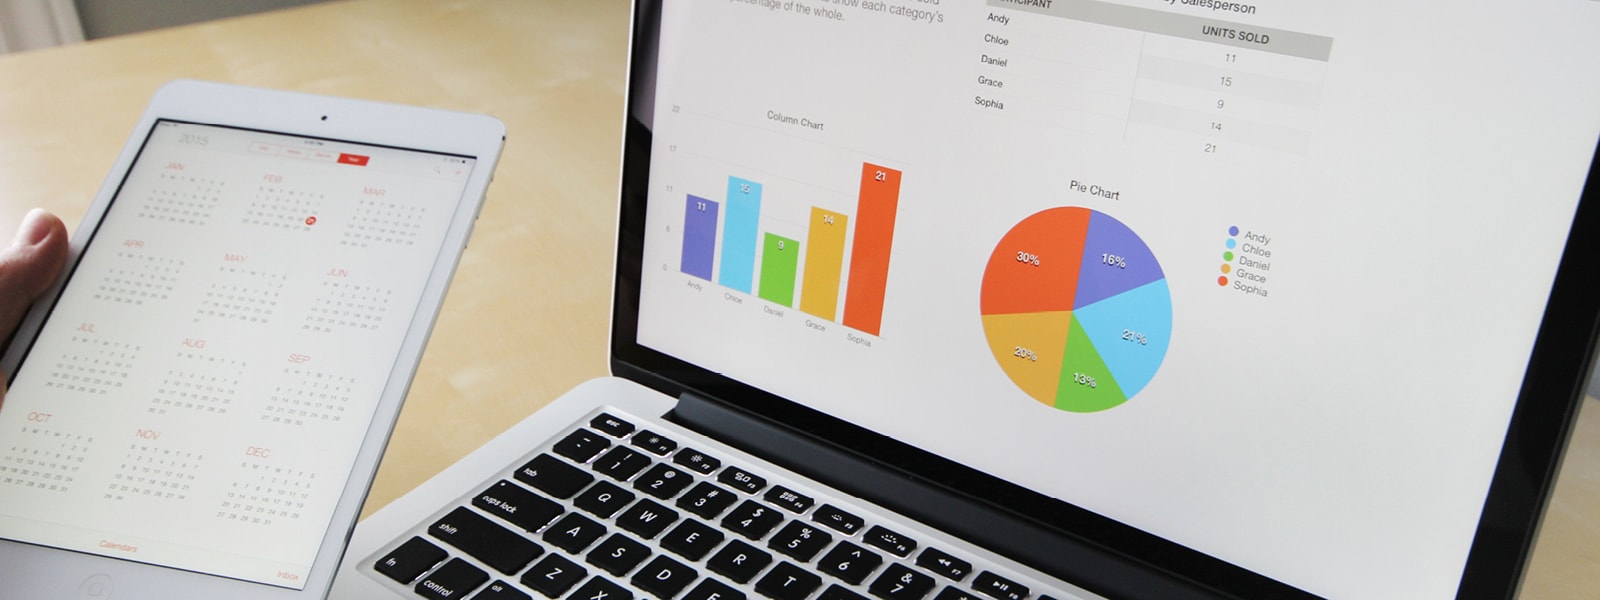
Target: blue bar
[739,234]
[699,236]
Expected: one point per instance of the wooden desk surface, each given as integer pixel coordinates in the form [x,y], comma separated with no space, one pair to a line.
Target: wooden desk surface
[527,314]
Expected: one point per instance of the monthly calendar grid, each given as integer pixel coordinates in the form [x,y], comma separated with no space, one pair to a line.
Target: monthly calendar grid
[265,494]
[198,384]
[182,199]
[384,223]
[136,278]
[43,459]
[93,366]
[345,306]
[242,294]
[151,471]
[308,396]
[281,207]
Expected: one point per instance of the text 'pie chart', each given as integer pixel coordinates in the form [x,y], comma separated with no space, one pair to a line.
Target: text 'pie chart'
[1076,309]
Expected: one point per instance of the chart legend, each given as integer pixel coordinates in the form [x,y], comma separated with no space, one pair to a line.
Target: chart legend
[1227,255]
[1076,309]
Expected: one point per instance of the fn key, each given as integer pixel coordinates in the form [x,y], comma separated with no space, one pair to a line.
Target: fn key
[410,560]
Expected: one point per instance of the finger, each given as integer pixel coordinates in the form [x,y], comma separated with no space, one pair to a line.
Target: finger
[30,265]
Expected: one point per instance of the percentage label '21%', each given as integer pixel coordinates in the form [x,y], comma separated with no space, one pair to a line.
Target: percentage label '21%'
[1113,260]
[1028,258]
[1129,335]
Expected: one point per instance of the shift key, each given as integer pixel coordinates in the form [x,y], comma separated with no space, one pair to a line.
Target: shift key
[476,535]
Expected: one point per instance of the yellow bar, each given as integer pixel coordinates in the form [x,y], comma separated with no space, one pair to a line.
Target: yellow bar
[819,289]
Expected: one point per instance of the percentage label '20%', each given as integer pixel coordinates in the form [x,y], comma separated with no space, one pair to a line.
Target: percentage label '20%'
[1025,353]
[1028,258]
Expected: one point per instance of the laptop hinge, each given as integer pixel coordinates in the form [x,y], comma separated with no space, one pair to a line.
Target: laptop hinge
[973,520]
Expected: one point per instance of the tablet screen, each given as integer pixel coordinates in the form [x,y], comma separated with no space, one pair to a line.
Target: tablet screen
[199,392]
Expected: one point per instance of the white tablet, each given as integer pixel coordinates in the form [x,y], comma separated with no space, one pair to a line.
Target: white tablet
[199,409]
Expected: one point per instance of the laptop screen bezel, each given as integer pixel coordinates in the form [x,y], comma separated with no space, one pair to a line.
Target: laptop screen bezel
[1552,391]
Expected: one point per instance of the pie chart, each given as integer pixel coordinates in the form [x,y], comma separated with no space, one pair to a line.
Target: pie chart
[1076,309]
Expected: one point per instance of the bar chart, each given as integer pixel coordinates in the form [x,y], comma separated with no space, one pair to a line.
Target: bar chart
[837,255]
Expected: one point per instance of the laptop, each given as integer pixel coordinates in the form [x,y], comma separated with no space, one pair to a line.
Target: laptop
[1051,299]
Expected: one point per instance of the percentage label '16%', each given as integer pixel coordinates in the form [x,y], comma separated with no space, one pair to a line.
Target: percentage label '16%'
[1028,258]
[1114,261]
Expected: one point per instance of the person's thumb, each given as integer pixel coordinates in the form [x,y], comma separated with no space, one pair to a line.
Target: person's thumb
[30,265]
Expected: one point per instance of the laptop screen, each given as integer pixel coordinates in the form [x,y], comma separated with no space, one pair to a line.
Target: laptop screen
[1259,278]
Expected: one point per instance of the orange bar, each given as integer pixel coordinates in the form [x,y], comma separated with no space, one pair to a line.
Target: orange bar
[869,254]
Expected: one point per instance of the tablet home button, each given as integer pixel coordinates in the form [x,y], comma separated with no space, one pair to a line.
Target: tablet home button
[96,587]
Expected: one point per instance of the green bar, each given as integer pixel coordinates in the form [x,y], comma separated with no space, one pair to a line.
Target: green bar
[779,257]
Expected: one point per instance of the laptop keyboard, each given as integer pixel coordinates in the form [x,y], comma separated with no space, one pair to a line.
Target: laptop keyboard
[615,509]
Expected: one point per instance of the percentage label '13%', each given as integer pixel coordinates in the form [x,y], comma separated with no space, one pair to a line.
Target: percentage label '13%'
[1083,380]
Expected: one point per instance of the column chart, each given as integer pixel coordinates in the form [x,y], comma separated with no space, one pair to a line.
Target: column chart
[781,269]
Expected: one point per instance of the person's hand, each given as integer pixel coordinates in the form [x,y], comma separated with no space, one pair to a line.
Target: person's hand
[28,267]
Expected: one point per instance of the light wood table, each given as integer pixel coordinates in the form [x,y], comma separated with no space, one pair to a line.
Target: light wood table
[526,317]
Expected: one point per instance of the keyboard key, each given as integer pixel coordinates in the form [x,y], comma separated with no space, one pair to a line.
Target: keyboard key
[662,481]
[620,463]
[788,582]
[604,499]
[739,561]
[647,519]
[741,480]
[940,563]
[581,445]
[899,582]
[518,506]
[550,475]
[889,541]
[999,588]
[410,560]
[711,589]
[554,575]
[653,443]
[611,426]
[452,581]
[476,535]
[692,540]
[664,577]
[838,520]
[695,461]
[952,593]
[752,520]
[837,592]
[618,554]
[600,589]
[706,500]
[800,541]
[788,499]
[850,563]
[574,532]
[501,590]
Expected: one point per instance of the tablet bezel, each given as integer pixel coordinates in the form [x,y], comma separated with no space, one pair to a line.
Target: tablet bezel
[43,570]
